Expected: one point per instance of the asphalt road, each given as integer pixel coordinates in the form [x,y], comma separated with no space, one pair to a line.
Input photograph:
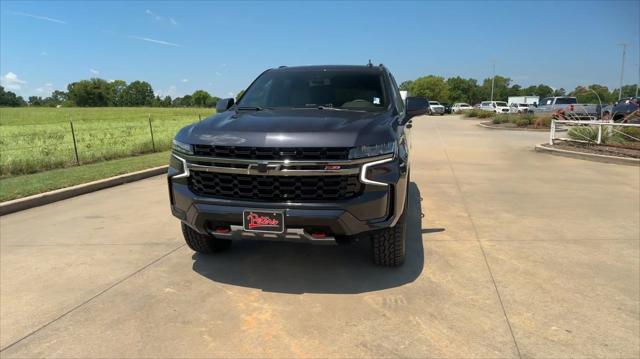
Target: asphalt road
[511,253]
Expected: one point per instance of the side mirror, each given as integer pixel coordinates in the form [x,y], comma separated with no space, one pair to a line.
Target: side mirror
[415,106]
[224,104]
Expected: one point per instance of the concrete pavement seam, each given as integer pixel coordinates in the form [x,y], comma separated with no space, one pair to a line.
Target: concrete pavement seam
[92,298]
[475,231]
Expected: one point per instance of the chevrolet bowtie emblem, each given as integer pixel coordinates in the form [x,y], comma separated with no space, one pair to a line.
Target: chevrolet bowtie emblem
[263,167]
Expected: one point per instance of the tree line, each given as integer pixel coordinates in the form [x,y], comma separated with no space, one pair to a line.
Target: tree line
[458,89]
[97,92]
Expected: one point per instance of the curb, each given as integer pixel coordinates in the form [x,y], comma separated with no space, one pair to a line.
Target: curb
[485,125]
[64,193]
[589,156]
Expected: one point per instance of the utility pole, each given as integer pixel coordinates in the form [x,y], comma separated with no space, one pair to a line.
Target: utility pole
[638,83]
[624,54]
[493,78]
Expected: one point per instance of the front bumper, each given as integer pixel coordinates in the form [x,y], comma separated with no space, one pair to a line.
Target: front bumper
[378,206]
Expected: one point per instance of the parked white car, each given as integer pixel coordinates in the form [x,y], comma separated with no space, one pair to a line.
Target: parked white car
[495,106]
[436,108]
[461,106]
[519,108]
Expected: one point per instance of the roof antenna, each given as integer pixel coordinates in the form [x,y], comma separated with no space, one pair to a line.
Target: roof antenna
[370,64]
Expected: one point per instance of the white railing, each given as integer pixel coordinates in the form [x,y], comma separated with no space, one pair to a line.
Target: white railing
[611,126]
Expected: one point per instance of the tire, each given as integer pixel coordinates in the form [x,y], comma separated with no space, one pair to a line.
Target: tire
[202,243]
[388,246]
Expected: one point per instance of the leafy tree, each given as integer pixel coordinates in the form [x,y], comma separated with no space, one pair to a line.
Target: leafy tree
[239,95]
[432,87]
[166,102]
[627,91]
[201,98]
[214,101]
[8,98]
[560,92]
[138,93]
[593,94]
[500,88]
[406,85]
[463,90]
[118,92]
[90,93]
[35,101]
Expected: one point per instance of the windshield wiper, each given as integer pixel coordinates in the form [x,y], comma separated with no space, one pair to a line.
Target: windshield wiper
[249,108]
[337,109]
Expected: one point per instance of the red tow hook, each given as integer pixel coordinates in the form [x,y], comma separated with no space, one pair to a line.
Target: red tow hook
[318,235]
[223,229]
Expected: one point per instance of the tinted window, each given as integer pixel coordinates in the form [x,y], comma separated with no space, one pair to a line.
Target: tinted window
[341,89]
[396,94]
[566,100]
[501,104]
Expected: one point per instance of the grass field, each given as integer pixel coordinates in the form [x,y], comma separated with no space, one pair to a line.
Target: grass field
[22,186]
[40,139]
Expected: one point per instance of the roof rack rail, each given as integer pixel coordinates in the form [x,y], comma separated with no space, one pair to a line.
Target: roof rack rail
[281,66]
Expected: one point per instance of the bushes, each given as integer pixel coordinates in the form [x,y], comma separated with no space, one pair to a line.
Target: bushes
[542,122]
[485,114]
[472,113]
[521,120]
[587,133]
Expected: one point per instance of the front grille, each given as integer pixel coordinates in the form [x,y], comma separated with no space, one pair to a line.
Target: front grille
[273,153]
[286,188]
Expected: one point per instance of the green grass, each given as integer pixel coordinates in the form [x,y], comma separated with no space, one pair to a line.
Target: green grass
[40,139]
[22,186]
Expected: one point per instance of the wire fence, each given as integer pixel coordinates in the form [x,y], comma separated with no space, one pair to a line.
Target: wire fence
[33,148]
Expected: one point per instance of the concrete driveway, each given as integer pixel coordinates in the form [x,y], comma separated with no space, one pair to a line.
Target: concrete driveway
[517,254]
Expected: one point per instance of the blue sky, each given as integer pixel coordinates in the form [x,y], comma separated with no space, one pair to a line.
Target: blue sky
[221,47]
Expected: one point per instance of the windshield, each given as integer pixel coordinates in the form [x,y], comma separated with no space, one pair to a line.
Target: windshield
[434,103]
[501,104]
[566,100]
[315,88]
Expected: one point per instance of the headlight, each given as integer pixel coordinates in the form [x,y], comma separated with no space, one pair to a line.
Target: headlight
[372,150]
[182,147]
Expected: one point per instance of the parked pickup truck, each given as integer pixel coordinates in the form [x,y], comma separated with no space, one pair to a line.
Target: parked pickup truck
[314,153]
[568,105]
[621,109]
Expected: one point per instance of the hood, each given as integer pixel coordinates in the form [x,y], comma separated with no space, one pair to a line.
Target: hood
[291,128]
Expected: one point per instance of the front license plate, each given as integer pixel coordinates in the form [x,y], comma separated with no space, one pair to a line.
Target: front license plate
[263,221]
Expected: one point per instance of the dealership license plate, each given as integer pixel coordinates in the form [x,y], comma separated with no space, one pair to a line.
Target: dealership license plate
[263,221]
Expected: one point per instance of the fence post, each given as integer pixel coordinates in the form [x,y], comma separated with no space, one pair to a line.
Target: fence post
[552,131]
[75,146]
[153,142]
[599,133]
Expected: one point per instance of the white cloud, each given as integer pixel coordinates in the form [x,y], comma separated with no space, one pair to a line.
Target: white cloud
[39,17]
[185,80]
[160,18]
[161,42]
[45,90]
[94,71]
[11,81]
[170,91]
